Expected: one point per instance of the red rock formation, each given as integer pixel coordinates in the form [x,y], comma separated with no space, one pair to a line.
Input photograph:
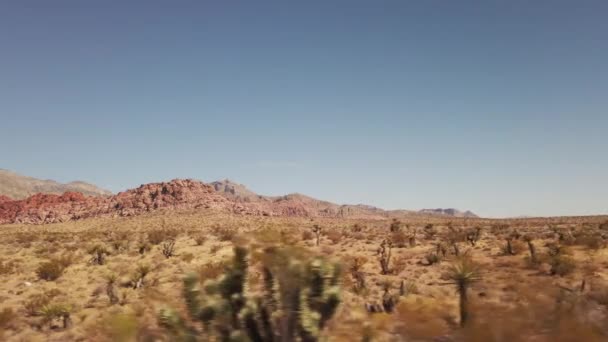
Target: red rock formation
[173,195]
[176,194]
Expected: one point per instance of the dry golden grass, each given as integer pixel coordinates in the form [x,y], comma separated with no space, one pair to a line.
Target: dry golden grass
[48,271]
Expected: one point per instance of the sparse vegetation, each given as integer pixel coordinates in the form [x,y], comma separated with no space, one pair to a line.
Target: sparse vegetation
[398,280]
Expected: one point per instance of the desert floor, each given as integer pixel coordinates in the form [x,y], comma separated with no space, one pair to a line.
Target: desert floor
[561,295]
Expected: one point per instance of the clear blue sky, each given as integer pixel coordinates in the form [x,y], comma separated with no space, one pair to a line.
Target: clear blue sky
[500,107]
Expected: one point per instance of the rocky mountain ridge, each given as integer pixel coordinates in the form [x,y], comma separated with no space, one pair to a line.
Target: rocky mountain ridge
[178,194]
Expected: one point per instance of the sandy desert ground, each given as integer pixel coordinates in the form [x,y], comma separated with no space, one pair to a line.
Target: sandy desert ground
[122,279]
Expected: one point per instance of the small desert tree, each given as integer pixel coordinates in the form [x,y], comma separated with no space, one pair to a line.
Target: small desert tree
[316,229]
[384,255]
[530,241]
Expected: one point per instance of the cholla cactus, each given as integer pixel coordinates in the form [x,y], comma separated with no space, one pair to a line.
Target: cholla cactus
[299,298]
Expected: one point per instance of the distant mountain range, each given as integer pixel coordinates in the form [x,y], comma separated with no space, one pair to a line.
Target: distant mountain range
[45,205]
[16,186]
[240,193]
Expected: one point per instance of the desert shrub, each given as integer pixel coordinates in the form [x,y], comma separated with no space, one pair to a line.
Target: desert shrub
[400,239]
[432,258]
[357,275]
[399,265]
[187,257]
[389,300]
[26,238]
[111,288]
[334,236]
[6,317]
[168,248]
[276,236]
[223,233]
[119,245]
[159,235]
[143,247]
[98,254]
[357,228]
[590,240]
[199,239]
[429,231]
[473,235]
[50,270]
[139,275]
[561,265]
[53,312]
[34,304]
[66,259]
[395,226]
[307,235]
[299,298]
[211,270]
[358,236]
[215,248]
[407,288]
[7,267]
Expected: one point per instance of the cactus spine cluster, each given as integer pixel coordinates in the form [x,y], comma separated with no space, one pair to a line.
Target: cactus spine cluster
[299,298]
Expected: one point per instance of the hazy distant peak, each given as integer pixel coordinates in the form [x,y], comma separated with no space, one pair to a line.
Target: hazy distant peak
[18,186]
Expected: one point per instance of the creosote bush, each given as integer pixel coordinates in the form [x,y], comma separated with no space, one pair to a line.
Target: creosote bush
[50,270]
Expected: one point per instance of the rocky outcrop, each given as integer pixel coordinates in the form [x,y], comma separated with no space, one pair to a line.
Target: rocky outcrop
[176,194]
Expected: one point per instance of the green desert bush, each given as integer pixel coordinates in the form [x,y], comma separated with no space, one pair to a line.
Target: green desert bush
[50,270]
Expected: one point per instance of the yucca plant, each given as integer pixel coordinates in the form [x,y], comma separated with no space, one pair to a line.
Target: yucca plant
[463,273]
[98,254]
[52,312]
[139,276]
[111,289]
